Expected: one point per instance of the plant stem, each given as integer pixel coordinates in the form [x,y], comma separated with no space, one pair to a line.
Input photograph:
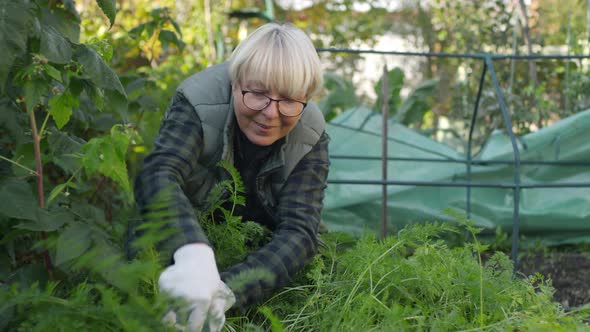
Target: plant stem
[478,251]
[98,188]
[37,144]
[139,118]
[42,131]
[19,165]
[234,197]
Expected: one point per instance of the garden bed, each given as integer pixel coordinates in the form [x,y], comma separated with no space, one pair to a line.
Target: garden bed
[568,270]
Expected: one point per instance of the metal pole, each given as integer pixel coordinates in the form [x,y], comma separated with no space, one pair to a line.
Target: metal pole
[573,163]
[385,113]
[567,63]
[458,184]
[470,139]
[516,189]
[457,55]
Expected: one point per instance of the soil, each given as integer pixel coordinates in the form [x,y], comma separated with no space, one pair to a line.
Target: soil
[569,271]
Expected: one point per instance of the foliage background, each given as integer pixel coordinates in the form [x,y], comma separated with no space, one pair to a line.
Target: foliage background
[84,84]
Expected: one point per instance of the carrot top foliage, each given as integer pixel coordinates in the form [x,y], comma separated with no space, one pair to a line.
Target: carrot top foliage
[69,128]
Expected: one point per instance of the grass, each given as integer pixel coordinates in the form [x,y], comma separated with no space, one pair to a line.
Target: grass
[411,282]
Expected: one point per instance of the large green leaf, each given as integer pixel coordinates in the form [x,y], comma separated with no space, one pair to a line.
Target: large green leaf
[64,149]
[46,221]
[147,103]
[97,70]
[96,95]
[72,242]
[417,103]
[341,95]
[15,20]
[34,90]
[103,122]
[248,13]
[168,37]
[118,103]
[176,26]
[52,72]
[24,155]
[5,267]
[17,200]
[70,7]
[55,192]
[30,274]
[136,31]
[135,84]
[395,82]
[106,155]
[12,121]
[54,46]
[64,22]
[89,213]
[60,108]
[103,48]
[109,8]
[61,143]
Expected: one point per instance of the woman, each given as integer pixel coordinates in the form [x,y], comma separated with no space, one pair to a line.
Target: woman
[255,112]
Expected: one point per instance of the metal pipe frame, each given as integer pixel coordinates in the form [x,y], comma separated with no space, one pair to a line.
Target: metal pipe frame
[572,163]
[516,185]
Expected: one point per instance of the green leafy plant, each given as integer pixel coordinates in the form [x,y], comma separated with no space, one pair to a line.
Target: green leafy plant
[415,281]
[341,95]
[45,72]
[64,142]
[410,111]
[156,34]
[102,292]
[231,237]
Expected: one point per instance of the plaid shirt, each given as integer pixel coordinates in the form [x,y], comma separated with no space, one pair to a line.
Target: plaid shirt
[297,213]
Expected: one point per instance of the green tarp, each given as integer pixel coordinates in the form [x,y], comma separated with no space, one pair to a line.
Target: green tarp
[554,215]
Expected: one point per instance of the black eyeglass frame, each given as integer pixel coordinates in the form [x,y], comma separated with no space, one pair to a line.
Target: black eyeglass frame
[270,100]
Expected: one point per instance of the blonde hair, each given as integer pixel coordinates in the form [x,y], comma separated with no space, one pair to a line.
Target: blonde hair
[280,57]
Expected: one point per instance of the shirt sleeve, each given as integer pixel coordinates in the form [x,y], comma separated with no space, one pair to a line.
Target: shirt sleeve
[159,186]
[294,241]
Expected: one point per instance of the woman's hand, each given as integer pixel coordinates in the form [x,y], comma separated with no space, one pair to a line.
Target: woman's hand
[194,278]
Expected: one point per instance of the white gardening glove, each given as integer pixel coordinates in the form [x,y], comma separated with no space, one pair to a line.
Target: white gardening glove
[194,277]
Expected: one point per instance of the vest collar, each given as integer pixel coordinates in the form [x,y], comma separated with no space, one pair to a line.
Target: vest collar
[228,133]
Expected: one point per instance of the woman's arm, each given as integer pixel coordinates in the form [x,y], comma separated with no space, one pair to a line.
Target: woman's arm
[160,183]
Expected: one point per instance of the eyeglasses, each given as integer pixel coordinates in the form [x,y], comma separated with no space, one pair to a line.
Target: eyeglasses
[258,101]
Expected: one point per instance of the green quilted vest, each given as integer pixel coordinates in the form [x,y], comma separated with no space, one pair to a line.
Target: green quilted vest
[210,94]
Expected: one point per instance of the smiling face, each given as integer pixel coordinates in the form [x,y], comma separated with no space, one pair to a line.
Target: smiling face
[279,62]
[266,126]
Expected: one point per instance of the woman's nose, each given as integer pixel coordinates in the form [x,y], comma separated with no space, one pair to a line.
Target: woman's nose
[272,110]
